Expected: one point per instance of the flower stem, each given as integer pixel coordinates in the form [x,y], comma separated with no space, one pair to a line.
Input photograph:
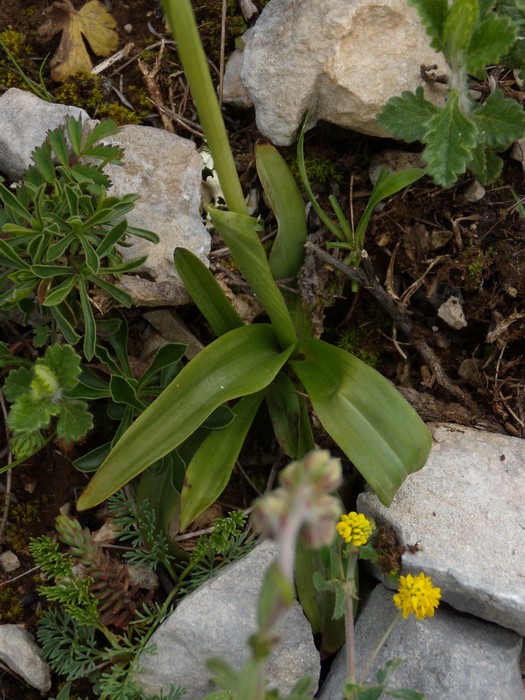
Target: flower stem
[378,648]
[350,636]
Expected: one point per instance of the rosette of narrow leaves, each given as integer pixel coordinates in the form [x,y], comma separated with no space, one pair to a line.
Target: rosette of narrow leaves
[463,134]
[39,394]
[60,232]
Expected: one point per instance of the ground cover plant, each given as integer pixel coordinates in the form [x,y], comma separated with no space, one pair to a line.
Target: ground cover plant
[480,260]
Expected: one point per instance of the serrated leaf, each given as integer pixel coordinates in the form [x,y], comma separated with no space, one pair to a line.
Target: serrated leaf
[406,117]
[17,383]
[433,14]
[450,139]
[28,414]
[74,420]
[491,40]
[485,165]
[63,361]
[92,22]
[459,25]
[500,121]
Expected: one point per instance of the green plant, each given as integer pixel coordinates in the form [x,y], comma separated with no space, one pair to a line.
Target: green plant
[368,418]
[15,74]
[462,134]
[60,231]
[40,393]
[70,634]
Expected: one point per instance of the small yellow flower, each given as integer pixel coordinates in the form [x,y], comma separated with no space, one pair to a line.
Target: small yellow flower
[417,595]
[354,528]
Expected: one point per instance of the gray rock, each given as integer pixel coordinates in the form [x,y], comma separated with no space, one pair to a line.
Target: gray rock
[9,561]
[166,170]
[450,656]
[341,59]
[451,311]
[25,120]
[465,510]
[19,651]
[216,620]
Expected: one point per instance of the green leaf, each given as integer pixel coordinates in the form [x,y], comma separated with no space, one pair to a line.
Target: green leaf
[485,165]
[74,130]
[10,258]
[60,292]
[91,461]
[111,238]
[387,184]
[17,383]
[367,417]
[102,130]
[285,413]
[206,293]
[57,140]
[406,117]
[28,414]
[62,315]
[459,25]
[500,121]
[286,202]
[211,466]
[433,14]
[11,201]
[64,362]
[124,390]
[451,139]
[166,356]
[44,163]
[238,363]
[90,329]
[491,40]
[74,420]
[238,232]
[119,294]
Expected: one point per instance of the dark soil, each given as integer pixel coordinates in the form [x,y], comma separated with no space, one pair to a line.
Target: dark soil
[424,245]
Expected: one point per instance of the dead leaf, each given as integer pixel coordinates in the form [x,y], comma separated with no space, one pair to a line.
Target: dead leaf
[92,23]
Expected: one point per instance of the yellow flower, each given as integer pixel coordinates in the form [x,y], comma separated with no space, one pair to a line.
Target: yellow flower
[417,595]
[354,528]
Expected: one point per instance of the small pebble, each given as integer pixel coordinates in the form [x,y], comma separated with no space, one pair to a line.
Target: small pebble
[9,561]
[128,28]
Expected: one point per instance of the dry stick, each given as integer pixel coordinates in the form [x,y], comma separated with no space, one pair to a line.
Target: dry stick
[150,75]
[367,279]
[9,477]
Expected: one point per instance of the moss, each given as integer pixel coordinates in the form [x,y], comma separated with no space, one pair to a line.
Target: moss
[11,609]
[15,43]
[320,170]
[24,521]
[354,340]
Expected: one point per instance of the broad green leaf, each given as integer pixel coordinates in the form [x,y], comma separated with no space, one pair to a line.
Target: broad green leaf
[105,128]
[124,390]
[406,117]
[367,417]
[165,356]
[387,184]
[28,414]
[58,143]
[450,139]
[44,163]
[74,130]
[459,25]
[287,254]
[285,413]
[17,383]
[47,271]
[491,40]
[91,461]
[485,165]
[211,466]
[206,293]
[74,420]
[238,232]
[500,121]
[12,202]
[433,14]
[238,363]
[10,258]
[111,238]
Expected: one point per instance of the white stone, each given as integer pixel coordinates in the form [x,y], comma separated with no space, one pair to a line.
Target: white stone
[451,311]
[25,121]
[340,59]
[216,620]
[465,510]
[19,651]
[165,170]
[9,561]
[447,657]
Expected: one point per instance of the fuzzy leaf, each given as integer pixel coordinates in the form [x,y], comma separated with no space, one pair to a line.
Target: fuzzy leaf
[450,139]
[92,22]
[406,117]
[28,414]
[491,40]
[74,420]
[459,25]
[433,14]
[63,361]
[485,165]
[500,121]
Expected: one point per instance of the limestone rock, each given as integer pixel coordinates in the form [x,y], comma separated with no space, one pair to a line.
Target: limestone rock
[25,120]
[449,656]
[465,510]
[340,59]
[19,651]
[216,620]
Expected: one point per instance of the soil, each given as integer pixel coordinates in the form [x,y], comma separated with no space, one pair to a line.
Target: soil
[425,246]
